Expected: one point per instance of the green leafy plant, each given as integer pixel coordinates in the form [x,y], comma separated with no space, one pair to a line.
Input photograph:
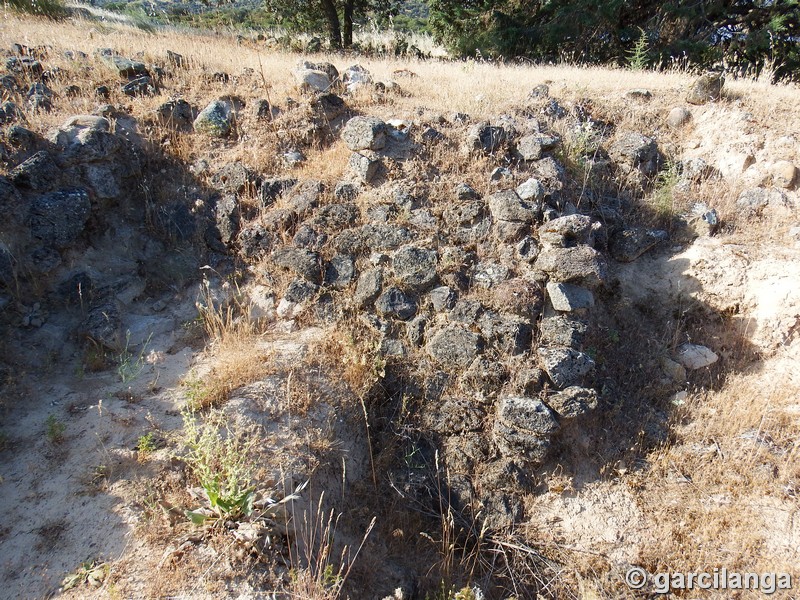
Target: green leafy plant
[146,445]
[219,458]
[130,365]
[638,55]
[89,572]
[54,429]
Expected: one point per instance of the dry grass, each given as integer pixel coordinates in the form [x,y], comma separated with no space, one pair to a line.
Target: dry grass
[236,342]
[722,492]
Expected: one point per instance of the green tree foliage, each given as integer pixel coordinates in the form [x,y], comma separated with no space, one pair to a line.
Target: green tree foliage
[746,34]
[336,17]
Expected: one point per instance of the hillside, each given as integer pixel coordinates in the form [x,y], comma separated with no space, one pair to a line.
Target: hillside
[323,326]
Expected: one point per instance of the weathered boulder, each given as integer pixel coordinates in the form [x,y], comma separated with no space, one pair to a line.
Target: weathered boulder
[573,401]
[510,334]
[58,218]
[38,173]
[365,167]
[678,116]
[364,133]
[565,366]
[454,346]
[508,206]
[706,88]
[695,356]
[784,174]
[563,330]
[368,287]
[396,304]
[523,428]
[176,114]
[301,261]
[218,119]
[529,147]
[415,267]
[125,67]
[443,298]
[636,151]
[340,272]
[580,265]
[567,298]
[140,86]
[355,77]
[486,138]
[312,80]
[568,231]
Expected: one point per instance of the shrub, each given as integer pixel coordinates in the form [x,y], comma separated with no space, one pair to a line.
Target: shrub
[52,9]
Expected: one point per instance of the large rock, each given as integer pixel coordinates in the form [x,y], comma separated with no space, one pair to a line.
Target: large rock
[573,402]
[176,114]
[454,346]
[355,77]
[85,138]
[217,119]
[312,80]
[563,330]
[510,334]
[365,167]
[415,267]
[486,138]
[567,298]
[523,428]
[125,67]
[301,261]
[565,366]
[564,232]
[364,133]
[508,206]
[630,244]
[38,173]
[396,304]
[368,287]
[530,147]
[581,265]
[634,150]
[706,88]
[694,356]
[58,218]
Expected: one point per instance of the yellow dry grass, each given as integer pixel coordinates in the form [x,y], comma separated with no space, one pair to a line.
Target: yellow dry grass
[724,491]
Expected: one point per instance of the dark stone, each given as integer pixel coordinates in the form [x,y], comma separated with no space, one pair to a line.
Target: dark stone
[415,267]
[395,303]
[235,178]
[562,330]
[301,261]
[38,173]
[340,271]
[333,217]
[486,138]
[272,189]
[177,114]
[454,346]
[368,287]
[58,218]
[300,291]
[141,86]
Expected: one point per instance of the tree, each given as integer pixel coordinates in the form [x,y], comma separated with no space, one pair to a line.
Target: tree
[748,34]
[337,17]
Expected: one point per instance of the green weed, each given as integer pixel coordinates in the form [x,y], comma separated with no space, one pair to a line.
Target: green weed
[54,429]
[219,458]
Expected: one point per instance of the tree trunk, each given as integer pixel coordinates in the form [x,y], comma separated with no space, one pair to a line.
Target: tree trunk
[334,27]
[348,24]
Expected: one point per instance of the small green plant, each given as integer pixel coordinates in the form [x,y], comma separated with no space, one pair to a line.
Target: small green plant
[664,190]
[89,572]
[638,55]
[219,458]
[146,445]
[197,392]
[130,365]
[54,429]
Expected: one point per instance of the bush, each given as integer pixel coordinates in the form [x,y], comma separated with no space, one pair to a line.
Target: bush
[52,9]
